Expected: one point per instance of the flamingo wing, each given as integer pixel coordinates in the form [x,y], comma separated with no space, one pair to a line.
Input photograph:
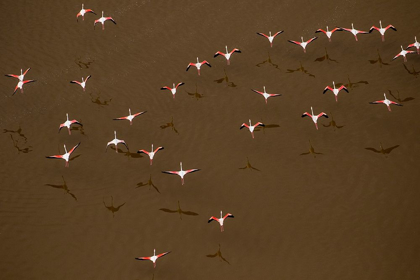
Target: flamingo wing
[138,114]
[294,42]
[111,19]
[322,114]
[262,34]
[55,157]
[327,88]
[281,31]
[259,92]
[143,258]
[244,125]
[171,172]
[74,148]
[143,151]
[259,124]
[192,170]
[311,40]
[163,254]
[12,76]
[373,28]
[218,53]
[228,215]
[321,30]
[235,50]
[206,62]
[158,149]
[391,26]
[377,102]
[75,82]
[189,65]
[395,103]
[306,114]
[119,119]
[343,88]
[212,218]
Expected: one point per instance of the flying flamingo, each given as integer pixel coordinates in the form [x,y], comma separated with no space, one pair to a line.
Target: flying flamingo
[227,54]
[198,65]
[151,154]
[335,90]
[415,44]
[314,117]
[173,89]
[20,77]
[251,127]
[181,173]
[82,83]
[382,30]
[65,156]
[68,123]
[265,94]
[387,102]
[329,33]
[130,117]
[221,220]
[403,53]
[102,20]
[116,142]
[84,11]
[354,31]
[269,37]
[303,44]
[20,85]
[153,258]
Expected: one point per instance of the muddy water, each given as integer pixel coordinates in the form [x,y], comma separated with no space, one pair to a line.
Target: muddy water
[337,203]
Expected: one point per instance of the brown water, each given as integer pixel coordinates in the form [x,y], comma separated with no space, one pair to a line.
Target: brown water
[308,204]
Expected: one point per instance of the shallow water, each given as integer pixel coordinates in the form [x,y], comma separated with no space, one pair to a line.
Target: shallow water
[308,204]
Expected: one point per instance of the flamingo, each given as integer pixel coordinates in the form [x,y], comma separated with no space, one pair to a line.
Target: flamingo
[19,77]
[198,65]
[382,30]
[335,90]
[181,173]
[314,117]
[151,154]
[173,89]
[354,31]
[68,123]
[82,83]
[116,142]
[415,44]
[265,94]
[403,53]
[102,20]
[84,11]
[329,33]
[227,54]
[153,258]
[221,220]
[130,117]
[66,155]
[303,44]
[387,102]
[251,127]
[20,85]
[269,37]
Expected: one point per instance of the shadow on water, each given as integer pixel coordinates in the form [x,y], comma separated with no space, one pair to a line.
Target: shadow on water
[111,207]
[332,123]
[218,254]
[226,79]
[414,72]
[266,126]
[311,151]
[383,151]
[97,100]
[249,166]
[300,69]
[63,187]
[351,85]
[148,183]
[269,62]
[171,124]
[400,100]
[82,64]
[78,128]
[180,211]
[326,57]
[18,131]
[130,155]
[378,60]
[20,149]
[195,94]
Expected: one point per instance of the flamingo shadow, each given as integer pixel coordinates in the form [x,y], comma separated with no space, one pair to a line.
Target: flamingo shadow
[311,151]
[171,124]
[351,85]
[82,64]
[400,100]
[98,101]
[126,153]
[180,211]
[249,166]
[64,187]
[18,131]
[111,207]
[378,60]
[333,124]
[218,254]
[414,72]
[383,151]
[225,78]
[148,183]
[300,69]
[269,62]
[195,94]
[19,149]
[78,128]
[326,57]
[266,126]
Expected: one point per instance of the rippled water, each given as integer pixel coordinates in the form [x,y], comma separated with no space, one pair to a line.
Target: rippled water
[340,202]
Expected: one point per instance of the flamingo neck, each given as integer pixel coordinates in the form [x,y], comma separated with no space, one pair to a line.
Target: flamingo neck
[115,134]
[312,111]
[269,33]
[83,6]
[180,164]
[380,24]
[249,122]
[226,49]
[352,26]
[21,72]
[102,13]
[264,89]
[154,252]
[129,111]
[385,96]
[333,84]
[197,60]
[327,29]
[173,85]
[221,215]
[65,149]
[152,147]
[67,115]
[301,39]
